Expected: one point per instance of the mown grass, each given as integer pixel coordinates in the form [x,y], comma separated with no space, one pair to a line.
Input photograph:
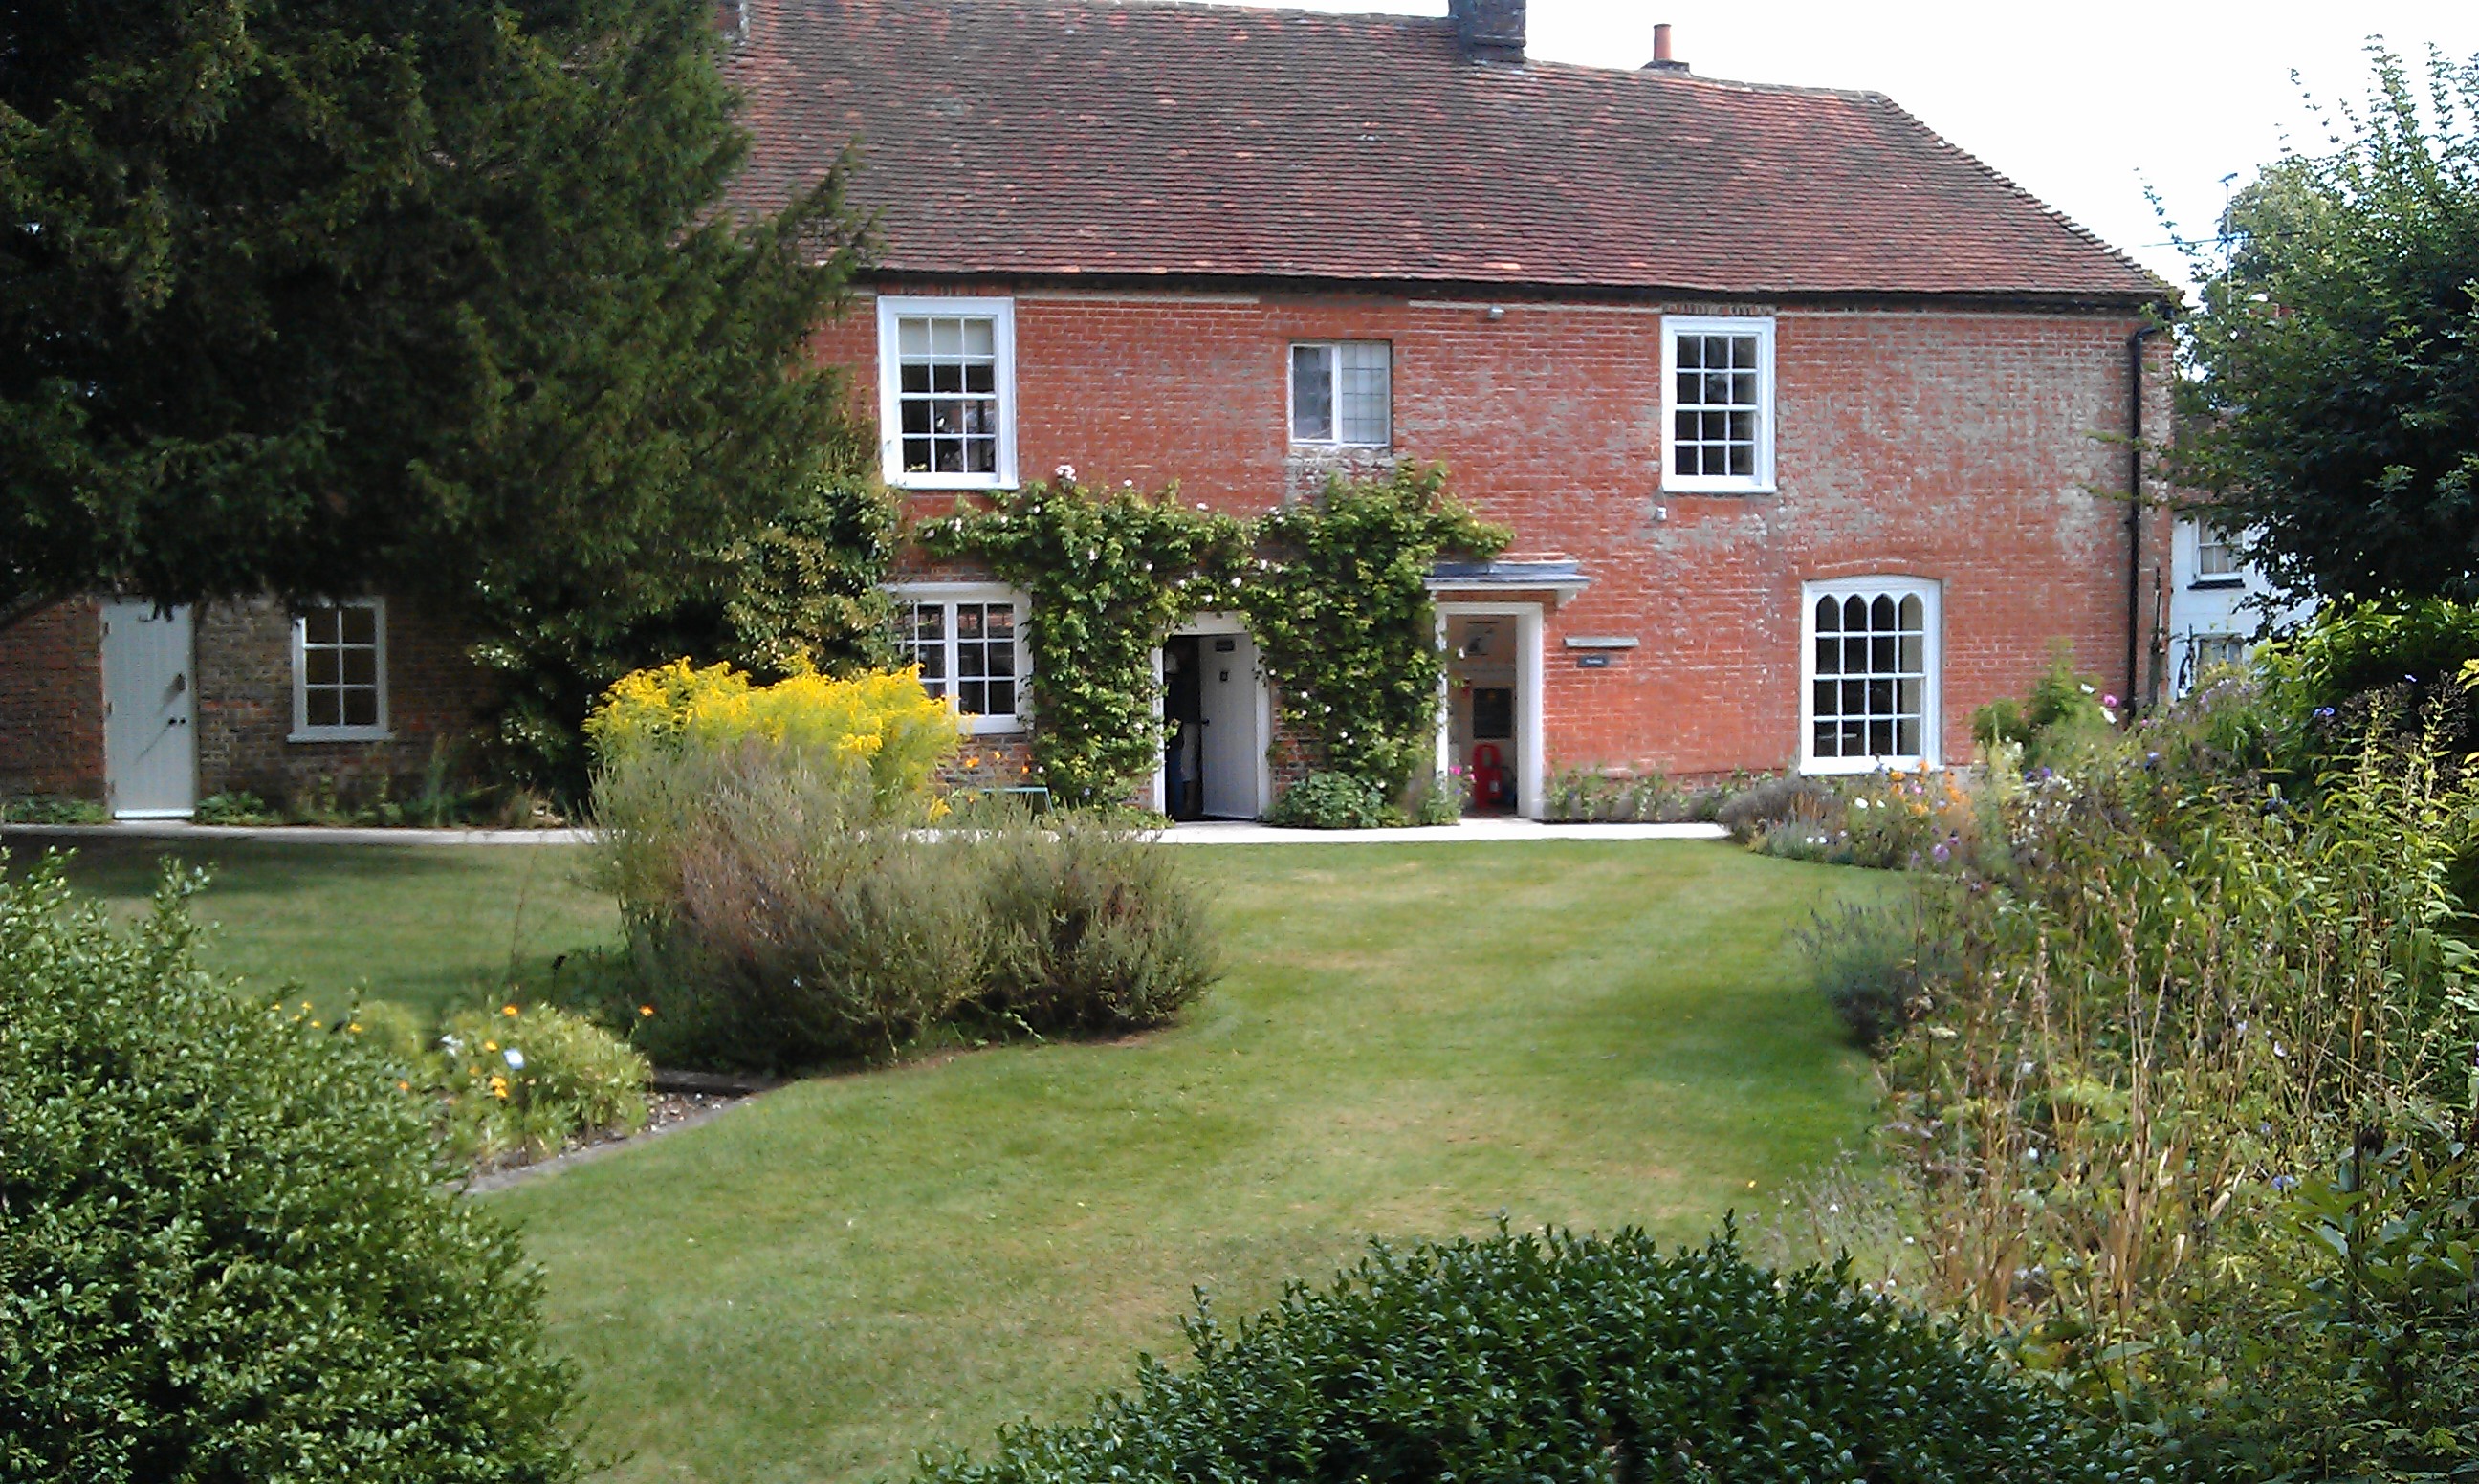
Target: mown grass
[429,926]
[1412,1040]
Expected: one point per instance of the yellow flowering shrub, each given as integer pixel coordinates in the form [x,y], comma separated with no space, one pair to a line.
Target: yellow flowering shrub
[879,722]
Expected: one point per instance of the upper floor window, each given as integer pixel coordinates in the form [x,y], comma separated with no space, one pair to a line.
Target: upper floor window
[1343,393]
[2216,555]
[340,671]
[968,640]
[947,391]
[1718,384]
[1871,675]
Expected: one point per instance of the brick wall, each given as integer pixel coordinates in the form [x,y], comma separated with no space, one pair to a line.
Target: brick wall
[1967,447]
[51,701]
[244,681]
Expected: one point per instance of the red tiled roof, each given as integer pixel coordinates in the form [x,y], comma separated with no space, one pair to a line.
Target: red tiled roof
[1011,138]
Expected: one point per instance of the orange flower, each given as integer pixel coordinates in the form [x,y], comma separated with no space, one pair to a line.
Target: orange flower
[507,1009]
[645,1010]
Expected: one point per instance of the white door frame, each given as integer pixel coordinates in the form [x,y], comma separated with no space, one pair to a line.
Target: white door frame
[1532,767]
[1203,625]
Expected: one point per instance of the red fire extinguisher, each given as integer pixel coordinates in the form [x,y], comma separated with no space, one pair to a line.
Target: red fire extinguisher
[1493,791]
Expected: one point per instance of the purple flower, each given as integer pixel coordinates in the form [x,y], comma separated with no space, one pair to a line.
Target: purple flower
[1942,854]
[2325,711]
[2285,1182]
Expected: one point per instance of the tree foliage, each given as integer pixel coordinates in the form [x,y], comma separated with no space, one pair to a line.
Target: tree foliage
[404,294]
[2336,396]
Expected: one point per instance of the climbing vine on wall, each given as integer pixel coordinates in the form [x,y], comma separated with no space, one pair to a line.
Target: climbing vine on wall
[1335,589]
[1339,601]
[1109,573]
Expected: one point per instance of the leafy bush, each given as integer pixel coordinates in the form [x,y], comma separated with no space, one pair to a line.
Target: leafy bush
[1776,803]
[1333,801]
[528,1079]
[1564,1358]
[239,807]
[1087,927]
[52,809]
[2065,717]
[1878,965]
[1439,800]
[228,1252]
[1598,796]
[778,919]
[880,724]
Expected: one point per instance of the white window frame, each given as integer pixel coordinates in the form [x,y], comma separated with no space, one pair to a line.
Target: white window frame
[893,308]
[1334,374]
[2233,575]
[302,731]
[953,593]
[1672,327]
[1933,698]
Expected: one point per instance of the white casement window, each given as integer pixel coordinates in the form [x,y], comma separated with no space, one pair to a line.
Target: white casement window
[1343,393]
[968,639]
[1871,675]
[1718,404]
[340,671]
[2216,558]
[946,398]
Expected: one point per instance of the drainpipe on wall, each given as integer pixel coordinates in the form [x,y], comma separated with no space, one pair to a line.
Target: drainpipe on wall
[2135,512]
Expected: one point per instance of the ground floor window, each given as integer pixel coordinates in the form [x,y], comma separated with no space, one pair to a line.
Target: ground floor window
[340,671]
[969,643]
[1871,675]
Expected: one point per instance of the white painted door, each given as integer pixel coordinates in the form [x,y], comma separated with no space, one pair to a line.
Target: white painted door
[151,750]
[1227,692]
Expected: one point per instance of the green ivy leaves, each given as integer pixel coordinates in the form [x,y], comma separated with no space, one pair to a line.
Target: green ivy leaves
[1336,592]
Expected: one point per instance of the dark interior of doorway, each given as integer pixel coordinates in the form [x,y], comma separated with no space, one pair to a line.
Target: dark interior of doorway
[1183,713]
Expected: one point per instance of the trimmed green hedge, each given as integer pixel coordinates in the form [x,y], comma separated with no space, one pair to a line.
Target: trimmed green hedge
[226,1248]
[1566,1358]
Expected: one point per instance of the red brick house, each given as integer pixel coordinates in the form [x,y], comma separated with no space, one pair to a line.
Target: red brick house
[1810,427]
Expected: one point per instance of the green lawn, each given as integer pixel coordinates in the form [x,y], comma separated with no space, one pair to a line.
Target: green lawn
[430,926]
[1411,1041]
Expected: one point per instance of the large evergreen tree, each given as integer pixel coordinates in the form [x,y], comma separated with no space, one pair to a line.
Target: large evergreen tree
[325,295]
[2336,358]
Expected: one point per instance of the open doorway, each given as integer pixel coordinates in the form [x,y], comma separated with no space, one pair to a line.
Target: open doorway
[1213,714]
[1491,731]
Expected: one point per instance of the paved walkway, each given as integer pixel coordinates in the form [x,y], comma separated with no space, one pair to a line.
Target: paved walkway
[1208,832]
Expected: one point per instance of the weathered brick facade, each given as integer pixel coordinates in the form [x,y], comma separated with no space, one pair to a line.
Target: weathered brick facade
[1982,448]
[51,701]
[52,705]
[244,676]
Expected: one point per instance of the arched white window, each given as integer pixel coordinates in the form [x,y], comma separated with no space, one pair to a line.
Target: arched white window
[1869,697]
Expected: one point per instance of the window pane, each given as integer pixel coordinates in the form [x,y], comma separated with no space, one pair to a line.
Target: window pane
[1311,394]
[361,666]
[980,337]
[913,338]
[1363,372]
[1001,698]
[323,709]
[321,667]
[361,707]
[1869,686]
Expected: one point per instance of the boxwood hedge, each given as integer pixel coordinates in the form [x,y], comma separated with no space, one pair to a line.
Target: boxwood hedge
[1558,1357]
[226,1252]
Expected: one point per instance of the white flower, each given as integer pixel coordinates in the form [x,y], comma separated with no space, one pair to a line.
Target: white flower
[1065,471]
[514,1059]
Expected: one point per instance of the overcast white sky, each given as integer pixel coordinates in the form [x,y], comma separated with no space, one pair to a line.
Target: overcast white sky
[2083,104]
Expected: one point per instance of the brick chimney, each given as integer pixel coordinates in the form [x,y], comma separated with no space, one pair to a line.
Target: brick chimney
[1489,30]
[1662,60]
